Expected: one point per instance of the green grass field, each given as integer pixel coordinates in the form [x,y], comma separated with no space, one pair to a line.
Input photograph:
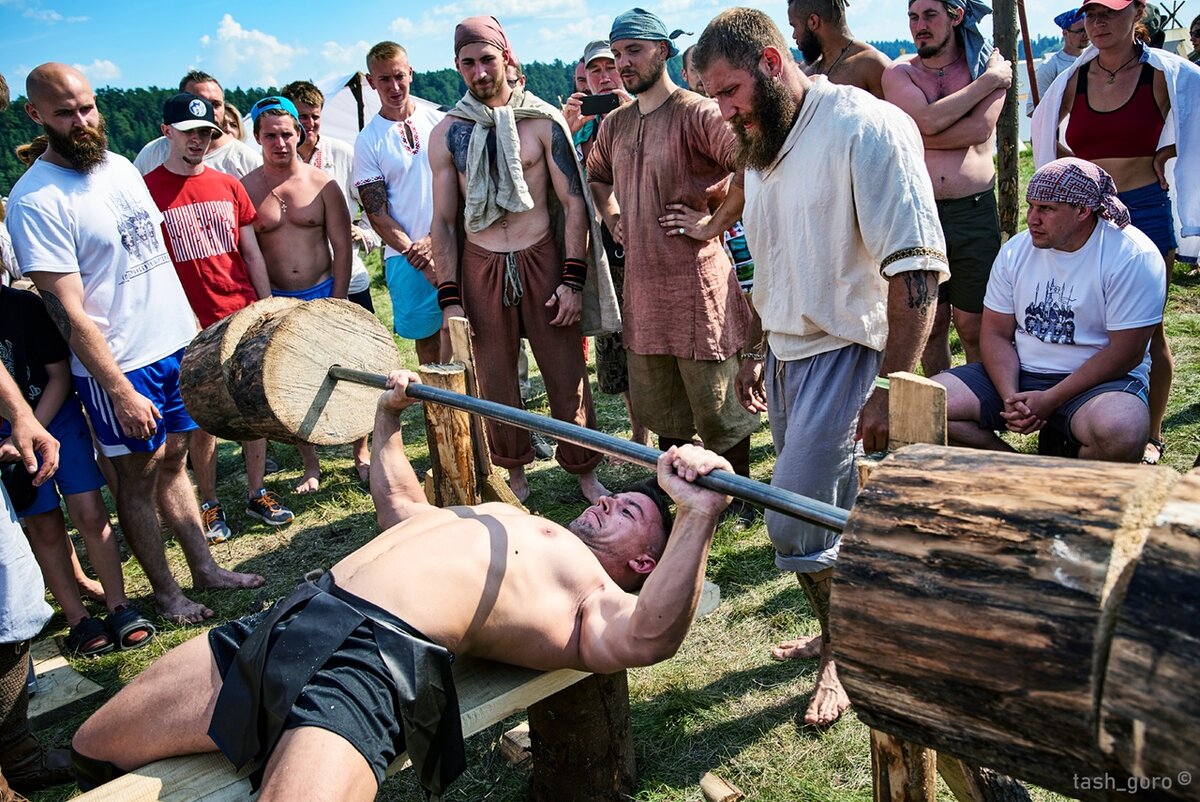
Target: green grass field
[720,705]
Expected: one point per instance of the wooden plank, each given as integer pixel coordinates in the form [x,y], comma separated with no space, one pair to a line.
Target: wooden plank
[455,477]
[916,411]
[903,771]
[464,354]
[61,689]
[488,692]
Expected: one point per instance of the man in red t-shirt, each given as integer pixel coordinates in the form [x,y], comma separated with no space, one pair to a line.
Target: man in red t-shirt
[208,224]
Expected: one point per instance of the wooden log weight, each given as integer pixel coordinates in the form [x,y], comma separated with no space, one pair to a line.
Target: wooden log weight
[455,478]
[1150,711]
[974,599]
[205,370]
[280,378]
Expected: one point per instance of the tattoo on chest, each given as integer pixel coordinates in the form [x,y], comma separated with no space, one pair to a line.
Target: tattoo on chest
[458,139]
[919,294]
[564,158]
[373,197]
[58,313]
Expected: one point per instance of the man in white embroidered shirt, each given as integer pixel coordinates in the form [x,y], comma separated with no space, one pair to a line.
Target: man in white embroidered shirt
[1067,319]
[845,282]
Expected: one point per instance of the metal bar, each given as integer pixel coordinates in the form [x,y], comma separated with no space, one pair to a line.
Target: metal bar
[772,498]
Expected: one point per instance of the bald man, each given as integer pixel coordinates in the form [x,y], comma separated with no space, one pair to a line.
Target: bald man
[87,232]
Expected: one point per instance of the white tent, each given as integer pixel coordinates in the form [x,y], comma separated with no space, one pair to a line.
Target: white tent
[349,103]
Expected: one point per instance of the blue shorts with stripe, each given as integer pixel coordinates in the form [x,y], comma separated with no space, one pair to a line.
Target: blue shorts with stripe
[77,471]
[159,382]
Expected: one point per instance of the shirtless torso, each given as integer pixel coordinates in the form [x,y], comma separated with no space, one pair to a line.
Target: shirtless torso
[861,65]
[303,224]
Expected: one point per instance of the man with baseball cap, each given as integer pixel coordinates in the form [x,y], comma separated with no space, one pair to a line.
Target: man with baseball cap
[1075,39]
[225,153]
[1067,319]
[208,225]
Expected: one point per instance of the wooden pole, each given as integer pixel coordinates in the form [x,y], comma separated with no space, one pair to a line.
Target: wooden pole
[1007,130]
[1033,87]
[449,431]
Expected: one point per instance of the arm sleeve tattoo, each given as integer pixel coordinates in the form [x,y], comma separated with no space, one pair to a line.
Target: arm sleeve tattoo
[373,197]
[58,313]
[564,157]
[919,294]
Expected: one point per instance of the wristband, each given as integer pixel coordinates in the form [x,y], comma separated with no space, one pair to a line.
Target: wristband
[447,295]
[757,356]
[574,273]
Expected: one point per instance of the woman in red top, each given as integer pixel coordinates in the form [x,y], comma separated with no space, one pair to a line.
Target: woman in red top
[1118,104]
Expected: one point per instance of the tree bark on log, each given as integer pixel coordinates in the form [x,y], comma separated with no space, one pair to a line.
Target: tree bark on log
[455,479]
[205,371]
[975,596]
[582,742]
[1150,712]
[971,783]
[281,379]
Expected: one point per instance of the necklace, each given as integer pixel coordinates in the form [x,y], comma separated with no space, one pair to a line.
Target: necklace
[838,60]
[282,203]
[941,71]
[1112,74]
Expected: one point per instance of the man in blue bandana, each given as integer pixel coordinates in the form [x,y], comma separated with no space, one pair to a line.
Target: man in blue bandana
[1075,39]
[954,87]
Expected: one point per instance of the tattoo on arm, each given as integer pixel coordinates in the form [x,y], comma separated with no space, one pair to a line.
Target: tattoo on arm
[58,313]
[919,294]
[458,139]
[564,156]
[373,197]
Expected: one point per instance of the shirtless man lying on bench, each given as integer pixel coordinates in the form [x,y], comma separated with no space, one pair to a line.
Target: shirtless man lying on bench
[333,685]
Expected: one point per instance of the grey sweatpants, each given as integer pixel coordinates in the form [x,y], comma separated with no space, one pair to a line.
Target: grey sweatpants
[813,406]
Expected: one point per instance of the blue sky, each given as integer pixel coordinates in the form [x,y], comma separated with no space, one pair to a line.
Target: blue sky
[255,44]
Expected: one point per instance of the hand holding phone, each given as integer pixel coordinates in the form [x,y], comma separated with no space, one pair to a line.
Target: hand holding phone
[598,104]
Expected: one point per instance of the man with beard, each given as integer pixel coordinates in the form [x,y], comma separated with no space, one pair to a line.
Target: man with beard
[655,163]
[87,232]
[514,278]
[225,153]
[324,708]
[208,221]
[830,49]
[845,282]
[303,226]
[953,87]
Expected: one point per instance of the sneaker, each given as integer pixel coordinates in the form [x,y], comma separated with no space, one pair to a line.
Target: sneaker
[265,506]
[215,528]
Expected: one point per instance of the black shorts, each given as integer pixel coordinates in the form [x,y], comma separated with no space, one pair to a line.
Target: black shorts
[971,227]
[325,658]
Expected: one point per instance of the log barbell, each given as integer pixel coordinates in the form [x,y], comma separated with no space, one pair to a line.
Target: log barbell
[727,482]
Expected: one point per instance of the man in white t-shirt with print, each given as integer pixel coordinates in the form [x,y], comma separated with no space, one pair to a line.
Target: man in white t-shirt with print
[395,183]
[225,153]
[1068,314]
[87,233]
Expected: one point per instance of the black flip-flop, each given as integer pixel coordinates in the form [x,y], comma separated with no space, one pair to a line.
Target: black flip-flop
[84,633]
[128,620]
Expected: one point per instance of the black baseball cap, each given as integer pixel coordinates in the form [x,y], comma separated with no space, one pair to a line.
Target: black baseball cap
[187,112]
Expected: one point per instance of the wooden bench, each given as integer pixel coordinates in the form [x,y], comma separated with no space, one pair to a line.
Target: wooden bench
[488,693]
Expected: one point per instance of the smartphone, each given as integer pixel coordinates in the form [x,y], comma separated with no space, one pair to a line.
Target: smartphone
[598,104]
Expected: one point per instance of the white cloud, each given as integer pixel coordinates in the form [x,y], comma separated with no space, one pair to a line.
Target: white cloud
[336,53]
[42,14]
[99,70]
[248,56]
[78,19]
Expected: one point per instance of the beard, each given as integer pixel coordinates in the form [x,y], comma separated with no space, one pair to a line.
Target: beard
[929,51]
[774,111]
[488,91]
[810,47]
[640,83]
[84,149]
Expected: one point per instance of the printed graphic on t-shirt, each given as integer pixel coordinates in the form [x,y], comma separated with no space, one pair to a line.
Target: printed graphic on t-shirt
[31,391]
[139,235]
[1052,319]
[202,230]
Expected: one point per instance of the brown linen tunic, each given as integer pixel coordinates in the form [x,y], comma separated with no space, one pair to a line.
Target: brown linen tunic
[681,296]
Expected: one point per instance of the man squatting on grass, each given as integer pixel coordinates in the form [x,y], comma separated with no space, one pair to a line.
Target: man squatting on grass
[562,600]
[845,282]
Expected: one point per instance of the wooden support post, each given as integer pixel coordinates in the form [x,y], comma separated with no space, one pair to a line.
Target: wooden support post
[1008,137]
[916,411]
[975,784]
[582,743]
[903,771]
[449,431]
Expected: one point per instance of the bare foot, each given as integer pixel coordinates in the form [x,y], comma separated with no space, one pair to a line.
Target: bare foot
[311,483]
[518,484]
[90,589]
[222,579]
[589,483]
[181,610]
[829,699]
[803,648]
[364,470]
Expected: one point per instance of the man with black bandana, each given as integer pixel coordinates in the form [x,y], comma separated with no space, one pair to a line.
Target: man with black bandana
[953,87]
[845,281]
[499,160]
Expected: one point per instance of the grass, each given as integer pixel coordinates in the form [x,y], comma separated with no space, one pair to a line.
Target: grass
[720,705]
